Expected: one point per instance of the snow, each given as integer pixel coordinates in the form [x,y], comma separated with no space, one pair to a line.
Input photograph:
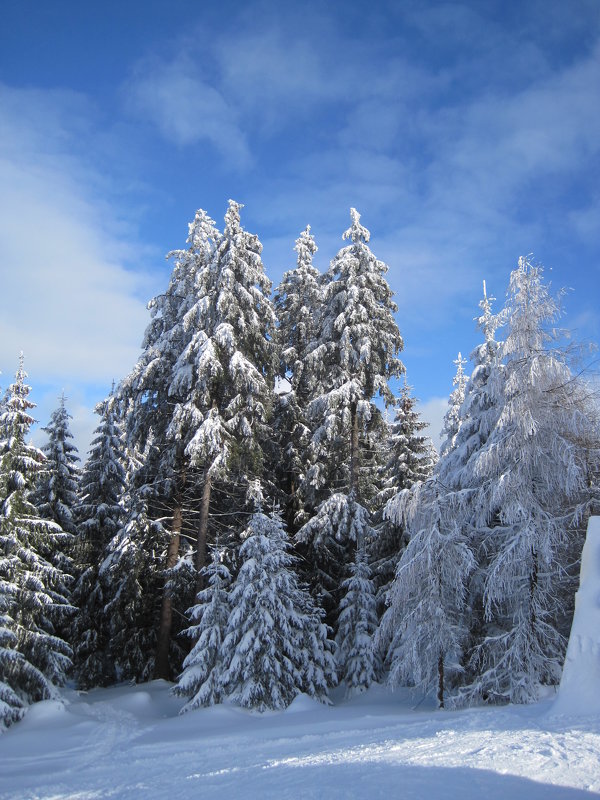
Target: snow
[579,687]
[131,742]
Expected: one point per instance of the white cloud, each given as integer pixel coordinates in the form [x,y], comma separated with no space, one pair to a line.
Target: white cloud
[432,411]
[67,301]
[186,108]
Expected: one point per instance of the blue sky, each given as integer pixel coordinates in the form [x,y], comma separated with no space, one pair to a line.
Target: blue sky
[465,133]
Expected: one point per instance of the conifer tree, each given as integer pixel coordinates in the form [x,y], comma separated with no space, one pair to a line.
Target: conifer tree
[411,458]
[275,646]
[534,482]
[201,678]
[33,591]
[57,490]
[101,515]
[452,417]
[425,627]
[298,304]
[354,358]
[358,661]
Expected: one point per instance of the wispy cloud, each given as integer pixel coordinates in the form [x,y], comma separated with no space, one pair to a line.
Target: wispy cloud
[67,300]
[186,108]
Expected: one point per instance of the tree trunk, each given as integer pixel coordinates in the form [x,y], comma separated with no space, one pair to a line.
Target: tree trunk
[161,666]
[203,531]
[440,694]
[353,451]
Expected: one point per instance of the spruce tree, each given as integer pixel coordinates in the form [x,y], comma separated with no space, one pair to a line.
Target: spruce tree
[201,678]
[275,645]
[101,515]
[33,591]
[358,661]
[58,484]
[534,479]
[354,357]
[298,303]
[452,418]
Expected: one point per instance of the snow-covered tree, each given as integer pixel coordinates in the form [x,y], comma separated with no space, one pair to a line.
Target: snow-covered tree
[155,424]
[101,515]
[452,418]
[425,627]
[354,358]
[411,458]
[328,542]
[58,484]
[131,578]
[275,646]
[226,371]
[358,661]
[534,481]
[201,678]
[298,304]
[33,591]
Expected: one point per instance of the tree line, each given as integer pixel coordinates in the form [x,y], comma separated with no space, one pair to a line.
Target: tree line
[251,523]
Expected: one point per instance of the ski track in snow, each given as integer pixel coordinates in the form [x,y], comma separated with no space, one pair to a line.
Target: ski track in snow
[129,742]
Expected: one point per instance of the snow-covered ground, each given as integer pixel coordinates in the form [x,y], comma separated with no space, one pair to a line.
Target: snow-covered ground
[130,742]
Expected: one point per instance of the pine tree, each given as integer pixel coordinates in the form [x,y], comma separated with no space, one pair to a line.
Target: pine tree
[33,593]
[452,417]
[358,662]
[101,515]
[534,481]
[410,460]
[425,627]
[131,578]
[156,427]
[298,303]
[201,678]
[275,645]
[329,540]
[354,358]
[227,370]
[57,491]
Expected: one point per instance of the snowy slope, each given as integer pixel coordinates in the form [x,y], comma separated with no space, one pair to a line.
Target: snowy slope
[129,742]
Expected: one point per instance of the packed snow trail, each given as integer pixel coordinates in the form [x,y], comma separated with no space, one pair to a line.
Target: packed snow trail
[130,742]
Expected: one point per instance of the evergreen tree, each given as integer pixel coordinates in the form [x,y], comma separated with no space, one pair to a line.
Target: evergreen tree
[357,659]
[130,578]
[275,645]
[425,627]
[534,481]
[226,371]
[329,540]
[452,418]
[33,591]
[200,680]
[354,358]
[150,400]
[57,491]
[410,460]
[101,515]
[298,304]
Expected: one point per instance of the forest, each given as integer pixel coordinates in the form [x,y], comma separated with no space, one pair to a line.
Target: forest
[261,513]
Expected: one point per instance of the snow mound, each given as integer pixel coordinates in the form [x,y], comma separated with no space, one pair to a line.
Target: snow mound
[580,684]
[302,702]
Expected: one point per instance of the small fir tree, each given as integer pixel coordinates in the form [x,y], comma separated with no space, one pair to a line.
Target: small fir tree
[101,515]
[274,634]
[358,662]
[33,591]
[201,678]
